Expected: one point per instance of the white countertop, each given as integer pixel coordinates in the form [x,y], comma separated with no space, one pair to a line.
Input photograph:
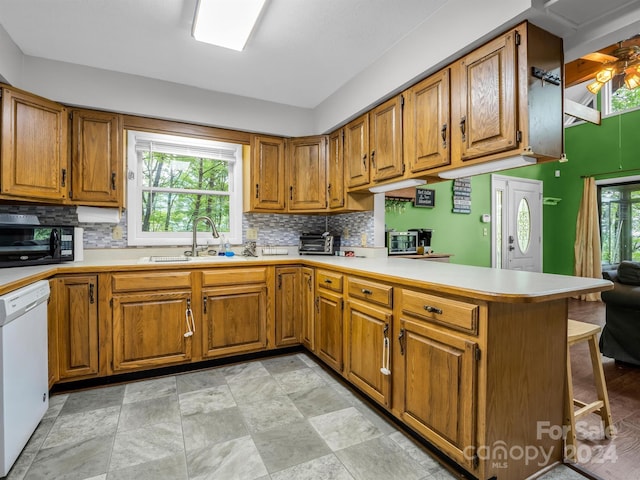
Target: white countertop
[482,282]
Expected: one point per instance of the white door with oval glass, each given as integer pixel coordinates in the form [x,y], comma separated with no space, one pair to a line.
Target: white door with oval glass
[517,227]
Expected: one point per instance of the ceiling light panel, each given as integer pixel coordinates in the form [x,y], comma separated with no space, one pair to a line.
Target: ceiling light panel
[226,23]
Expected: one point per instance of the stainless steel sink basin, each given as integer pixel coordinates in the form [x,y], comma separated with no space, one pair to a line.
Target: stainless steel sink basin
[184,258]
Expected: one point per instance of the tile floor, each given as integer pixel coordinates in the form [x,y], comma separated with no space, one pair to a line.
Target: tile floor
[277,418]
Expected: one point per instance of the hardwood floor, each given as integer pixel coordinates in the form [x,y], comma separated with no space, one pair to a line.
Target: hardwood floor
[616,458]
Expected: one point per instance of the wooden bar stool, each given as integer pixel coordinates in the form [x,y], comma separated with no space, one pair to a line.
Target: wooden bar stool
[585,332]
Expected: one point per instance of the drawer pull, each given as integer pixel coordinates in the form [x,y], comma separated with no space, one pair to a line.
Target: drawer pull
[366,292]
[431,309]
[328,280]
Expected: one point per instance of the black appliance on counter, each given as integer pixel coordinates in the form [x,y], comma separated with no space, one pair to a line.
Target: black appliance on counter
[318,244]
[23,241]
[424,236]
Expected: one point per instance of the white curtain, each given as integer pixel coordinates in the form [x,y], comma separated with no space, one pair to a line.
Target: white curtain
[587,246]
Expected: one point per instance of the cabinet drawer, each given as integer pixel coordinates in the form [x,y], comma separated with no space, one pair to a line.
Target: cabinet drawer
[233,276]
[452,313]
[329,280]
[378,293]
[136,282]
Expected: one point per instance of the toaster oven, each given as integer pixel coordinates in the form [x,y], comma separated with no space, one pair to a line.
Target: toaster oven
[318,244]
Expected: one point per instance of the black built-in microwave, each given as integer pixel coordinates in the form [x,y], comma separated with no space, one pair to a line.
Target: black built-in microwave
[27,244]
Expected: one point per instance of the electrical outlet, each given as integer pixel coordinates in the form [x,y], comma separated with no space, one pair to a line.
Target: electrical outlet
[116,233]
[252,233]
[363,239]
[485,232]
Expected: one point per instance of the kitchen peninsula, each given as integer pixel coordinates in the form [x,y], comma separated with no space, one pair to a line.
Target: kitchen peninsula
[477,354]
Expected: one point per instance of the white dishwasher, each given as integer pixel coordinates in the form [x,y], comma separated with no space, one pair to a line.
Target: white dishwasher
[24,377]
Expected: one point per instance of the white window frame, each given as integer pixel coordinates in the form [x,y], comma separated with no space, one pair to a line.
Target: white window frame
[136,237]
[606,96]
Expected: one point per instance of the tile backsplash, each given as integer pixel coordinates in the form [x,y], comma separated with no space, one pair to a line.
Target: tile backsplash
[273,229]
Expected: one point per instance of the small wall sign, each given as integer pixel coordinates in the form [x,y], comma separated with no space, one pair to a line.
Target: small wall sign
[425,198]
[462,195]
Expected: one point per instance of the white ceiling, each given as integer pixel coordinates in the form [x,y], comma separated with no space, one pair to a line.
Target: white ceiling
[302,51]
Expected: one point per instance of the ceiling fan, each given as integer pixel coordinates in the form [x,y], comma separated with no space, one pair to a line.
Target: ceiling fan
[619,62]
[624,60]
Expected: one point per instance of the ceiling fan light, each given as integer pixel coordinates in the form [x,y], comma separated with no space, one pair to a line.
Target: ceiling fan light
[605,74]
[632,80]
[595,86]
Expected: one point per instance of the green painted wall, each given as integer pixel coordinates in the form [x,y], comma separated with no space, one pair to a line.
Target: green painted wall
[609,150]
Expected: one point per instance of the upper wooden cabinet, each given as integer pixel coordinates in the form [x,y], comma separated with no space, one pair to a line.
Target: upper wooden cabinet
[427,123]
[335,170]
[34,147]
[307,165]
[96,158]
[373,146]
[264,188]
[499,107]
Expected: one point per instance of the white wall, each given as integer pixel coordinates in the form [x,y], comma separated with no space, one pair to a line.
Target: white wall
[10,59]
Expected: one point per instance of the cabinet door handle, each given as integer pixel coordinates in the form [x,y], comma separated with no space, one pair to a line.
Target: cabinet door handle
[191,324]
[431,309]
[386,352]
[463,127]
[291,192]
[257,189]
[443,133]
[309,282]
[204,304]
[367,292]
[64,177]
[401,341]
[373,158]
[92,298]
[113,180]
[364,161]
[279,281]
[318,304]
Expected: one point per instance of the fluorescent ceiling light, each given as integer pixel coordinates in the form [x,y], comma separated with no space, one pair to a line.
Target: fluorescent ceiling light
[411,182]
[226,23]
[488,167]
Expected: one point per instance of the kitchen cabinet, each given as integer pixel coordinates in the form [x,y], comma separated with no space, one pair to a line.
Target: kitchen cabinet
[265,180]
[34,147]
[307,317]
[288,306]
[96,158]
[150,322]
[427,123]
[437,373]
[373,146]
[234,306]
[329,325]
[52,334]
[76,315]
[307,166]
[368,319]
[499,108]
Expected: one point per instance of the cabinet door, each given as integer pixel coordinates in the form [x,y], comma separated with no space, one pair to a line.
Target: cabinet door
[438,396]
[234,320]
[267,188]
[52,333]
[308,173]
[77,318]
[385,140]
[96,155]
[488,100]
[356,152]
[427,124]
[329,307]
[149,329]
[34,146]
[307,332]
[367,328]
[288,306]
[335,187]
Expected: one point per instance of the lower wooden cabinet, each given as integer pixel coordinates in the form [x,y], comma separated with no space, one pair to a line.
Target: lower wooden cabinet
[76,327]
[437,373]
[288,306]
[52,334]
[307,317]
[329,334]
[366,330]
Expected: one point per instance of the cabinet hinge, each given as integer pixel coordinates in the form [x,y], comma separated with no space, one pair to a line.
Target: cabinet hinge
[402,100]
[70,193]
[517,37]
[519,136]
[111,302]
[342,304]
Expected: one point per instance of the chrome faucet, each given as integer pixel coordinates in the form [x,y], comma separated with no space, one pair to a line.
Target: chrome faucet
[214,232]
